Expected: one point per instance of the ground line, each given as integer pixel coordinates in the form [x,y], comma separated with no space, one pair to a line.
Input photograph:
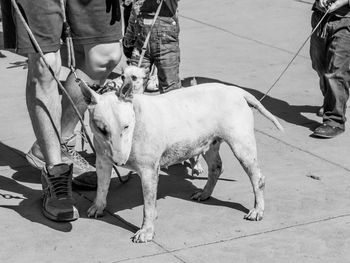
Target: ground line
[302,150]
[240,237]
[241,36]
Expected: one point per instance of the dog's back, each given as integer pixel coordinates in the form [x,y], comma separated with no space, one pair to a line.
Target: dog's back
[182,123]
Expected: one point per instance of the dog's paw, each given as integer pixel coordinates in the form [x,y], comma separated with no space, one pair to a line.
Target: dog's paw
[254,215]
[143,235]
[95,211]
[200,195]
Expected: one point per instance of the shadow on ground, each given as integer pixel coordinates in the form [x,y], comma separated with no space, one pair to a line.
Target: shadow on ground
[26,201]
[23,199]
[279,108]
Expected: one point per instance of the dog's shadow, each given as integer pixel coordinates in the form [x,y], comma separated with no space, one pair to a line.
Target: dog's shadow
[17,195]
[279,108]
[173,182]
[26,201]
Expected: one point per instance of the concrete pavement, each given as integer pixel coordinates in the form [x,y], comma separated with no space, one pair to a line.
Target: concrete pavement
[307,219]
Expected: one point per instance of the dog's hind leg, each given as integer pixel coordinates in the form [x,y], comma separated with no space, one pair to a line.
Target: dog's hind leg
[213,160]
[196,167]
[244,148]
[149,180]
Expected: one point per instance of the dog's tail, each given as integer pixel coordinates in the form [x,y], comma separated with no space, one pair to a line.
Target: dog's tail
[256,104]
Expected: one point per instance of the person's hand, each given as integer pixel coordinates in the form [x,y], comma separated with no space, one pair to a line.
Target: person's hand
[113,6]
[332,5]
[337,4]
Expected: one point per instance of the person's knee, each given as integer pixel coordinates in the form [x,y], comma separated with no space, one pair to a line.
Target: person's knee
[38,70]
[102,59]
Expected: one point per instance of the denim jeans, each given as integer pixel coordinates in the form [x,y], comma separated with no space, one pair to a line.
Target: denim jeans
[163,49]
[330,56]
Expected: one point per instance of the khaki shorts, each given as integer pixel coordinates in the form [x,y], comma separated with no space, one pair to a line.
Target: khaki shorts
[88,19]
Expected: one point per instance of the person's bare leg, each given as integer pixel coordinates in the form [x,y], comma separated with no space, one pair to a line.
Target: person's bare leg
[94,64]
[44,107]
[44,104]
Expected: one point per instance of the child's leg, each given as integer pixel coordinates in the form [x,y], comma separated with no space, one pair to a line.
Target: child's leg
[167,55]
[337,78]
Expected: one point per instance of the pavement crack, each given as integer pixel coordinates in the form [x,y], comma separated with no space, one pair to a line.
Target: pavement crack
[132,228]
[240,237]
[304,151]
[243,37]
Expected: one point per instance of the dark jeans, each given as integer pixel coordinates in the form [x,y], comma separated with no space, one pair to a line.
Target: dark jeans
[163,49]
[330,56]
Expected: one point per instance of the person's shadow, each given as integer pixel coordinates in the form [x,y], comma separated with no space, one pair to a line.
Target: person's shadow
[173,182]
[27,201]
[23,199]
[279,108]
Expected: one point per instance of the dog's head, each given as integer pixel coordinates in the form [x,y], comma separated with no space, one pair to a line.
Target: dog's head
[133,80]
[112,117]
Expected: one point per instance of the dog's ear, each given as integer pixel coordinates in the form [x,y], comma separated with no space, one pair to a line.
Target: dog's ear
[90,96]
[126,91]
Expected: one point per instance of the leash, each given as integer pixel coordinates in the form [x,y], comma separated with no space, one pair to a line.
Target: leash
[295,55]
[67,37]
[144,47]
[60,86]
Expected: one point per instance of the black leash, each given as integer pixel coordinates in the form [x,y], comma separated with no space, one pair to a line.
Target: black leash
[144,47]
[295,55]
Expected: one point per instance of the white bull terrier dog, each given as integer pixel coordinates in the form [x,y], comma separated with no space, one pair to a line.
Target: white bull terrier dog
[144,133]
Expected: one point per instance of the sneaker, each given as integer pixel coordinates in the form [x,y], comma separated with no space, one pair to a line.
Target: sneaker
[152,84]
[58,203]
[84,175]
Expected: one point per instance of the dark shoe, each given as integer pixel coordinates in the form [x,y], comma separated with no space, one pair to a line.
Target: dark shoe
[320,112]
[58,203]
[327,131]
[84,175]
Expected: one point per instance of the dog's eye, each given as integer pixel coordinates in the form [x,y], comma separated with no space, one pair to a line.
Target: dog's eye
[103,131]
[122,77]
[126,127]
[133,78]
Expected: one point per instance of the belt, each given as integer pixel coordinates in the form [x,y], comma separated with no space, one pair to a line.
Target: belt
[151,15]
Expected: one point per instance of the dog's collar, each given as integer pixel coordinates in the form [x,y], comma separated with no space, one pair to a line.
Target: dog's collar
[108,87]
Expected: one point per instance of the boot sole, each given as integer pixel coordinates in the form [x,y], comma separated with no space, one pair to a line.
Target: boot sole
[323,136]
[73,217]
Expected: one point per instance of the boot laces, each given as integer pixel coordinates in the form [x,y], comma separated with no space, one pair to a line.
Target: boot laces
[75,156]
[60,185]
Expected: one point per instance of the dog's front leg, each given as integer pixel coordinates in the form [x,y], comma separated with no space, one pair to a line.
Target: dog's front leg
[149,180]
[103,170]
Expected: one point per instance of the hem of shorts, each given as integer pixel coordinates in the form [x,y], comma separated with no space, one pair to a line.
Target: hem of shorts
[97,40]
[31,50]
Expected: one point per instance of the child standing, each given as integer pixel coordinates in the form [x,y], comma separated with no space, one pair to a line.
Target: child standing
[330,56]
[163,48]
